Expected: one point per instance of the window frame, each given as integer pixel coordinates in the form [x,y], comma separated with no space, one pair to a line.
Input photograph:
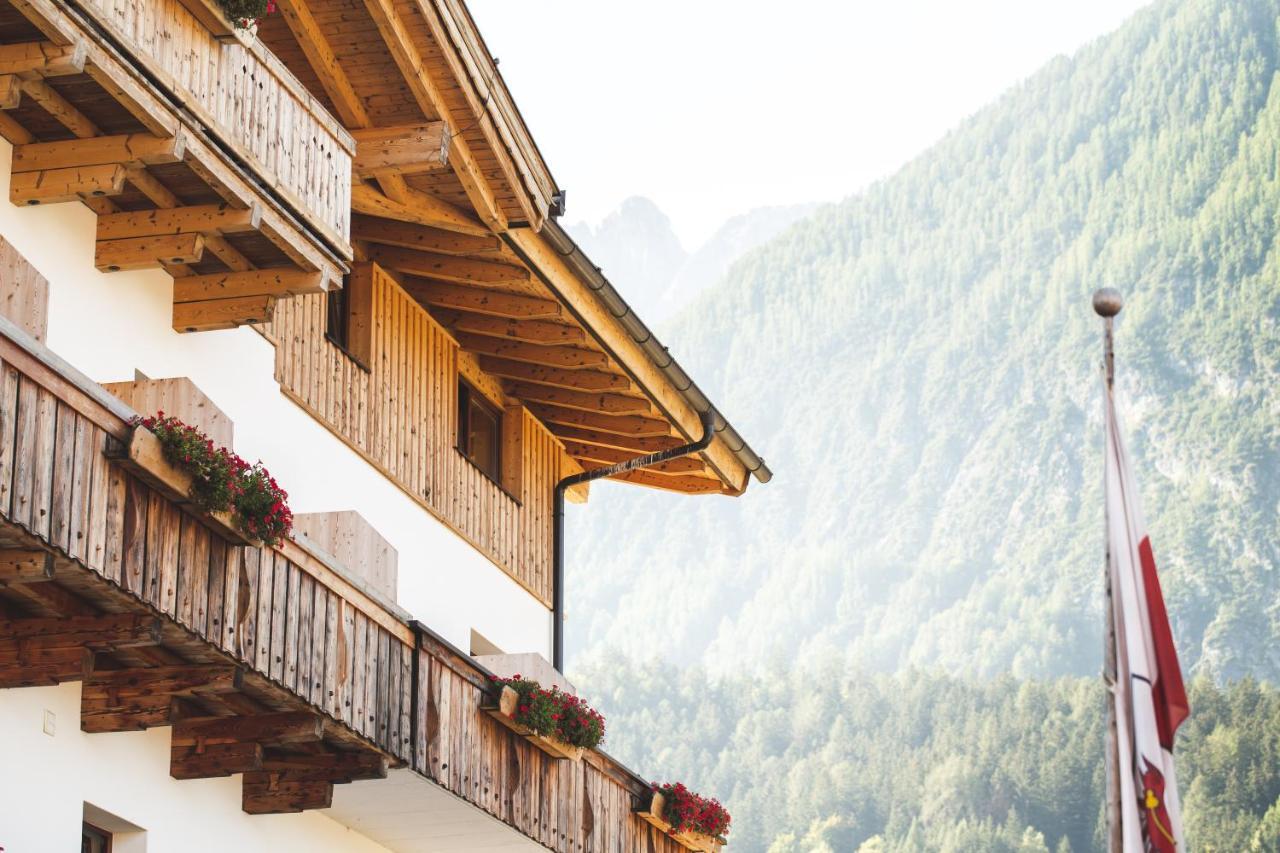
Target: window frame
[88,829]
[348,320]
[468,395]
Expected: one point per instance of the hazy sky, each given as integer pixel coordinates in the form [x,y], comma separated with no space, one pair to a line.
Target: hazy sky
[713,107]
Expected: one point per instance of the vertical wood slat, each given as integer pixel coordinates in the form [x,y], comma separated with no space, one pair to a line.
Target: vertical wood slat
[401,417]
[243,98]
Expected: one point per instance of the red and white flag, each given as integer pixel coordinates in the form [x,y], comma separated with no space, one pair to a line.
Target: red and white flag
[1150,699]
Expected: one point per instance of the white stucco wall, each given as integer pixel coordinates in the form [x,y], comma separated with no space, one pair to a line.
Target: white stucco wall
[108,325]
[46,780]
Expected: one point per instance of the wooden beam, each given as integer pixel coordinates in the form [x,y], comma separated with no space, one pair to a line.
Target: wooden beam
[446,267]
[650,444]
[306,31]
[685,485]
[268,793]
[130,148]
[44,58]
[39,666]
[336,767]
[575,380]
[211,760]
[431,100]
[10,92]
[394,232]
[61,185]
[106,632]
[25,566]
[134,699]
[404,150]
[60,108]
[204,219]
[177,680]
[529,331]
[585,303]
[212,314]
[274,728]
[415,207]
[614,404]
[138,253]
[162,197]
[480,300]
[280,281]
[611,456]
[630,425]
[570,357]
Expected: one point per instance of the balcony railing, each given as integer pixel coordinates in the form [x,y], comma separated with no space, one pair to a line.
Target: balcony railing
[246,98]
[285,671]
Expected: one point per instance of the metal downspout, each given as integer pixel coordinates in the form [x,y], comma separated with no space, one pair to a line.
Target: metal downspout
[557,591]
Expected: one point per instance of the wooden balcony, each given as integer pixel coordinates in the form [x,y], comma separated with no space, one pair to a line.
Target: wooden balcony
[200,153]
[266,662]
[246,97]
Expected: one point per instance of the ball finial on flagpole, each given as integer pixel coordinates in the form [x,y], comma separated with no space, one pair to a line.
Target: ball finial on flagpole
[1107,302]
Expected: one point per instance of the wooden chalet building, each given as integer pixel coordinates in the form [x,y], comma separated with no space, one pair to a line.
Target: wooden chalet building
[331,245]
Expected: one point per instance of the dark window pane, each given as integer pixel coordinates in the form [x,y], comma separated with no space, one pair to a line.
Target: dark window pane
[94,840]
[479,431]
[336,317]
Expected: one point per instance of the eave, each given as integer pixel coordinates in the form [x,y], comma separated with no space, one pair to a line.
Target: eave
[529,307]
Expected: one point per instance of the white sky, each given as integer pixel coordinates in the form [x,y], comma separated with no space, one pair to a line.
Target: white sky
[714,107]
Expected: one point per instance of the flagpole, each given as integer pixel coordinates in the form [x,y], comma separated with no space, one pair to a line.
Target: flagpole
[1107,303]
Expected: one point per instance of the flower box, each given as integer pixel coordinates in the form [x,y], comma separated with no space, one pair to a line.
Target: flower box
[144,456]
[653,813]
[501,705]
[210,14]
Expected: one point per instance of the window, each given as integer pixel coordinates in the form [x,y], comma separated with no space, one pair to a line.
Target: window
[337,319]
[480,431]
[349,315]
[94,840]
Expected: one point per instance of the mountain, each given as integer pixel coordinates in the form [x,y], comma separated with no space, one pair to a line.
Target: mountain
[894,645]
[638,249]
[919,364]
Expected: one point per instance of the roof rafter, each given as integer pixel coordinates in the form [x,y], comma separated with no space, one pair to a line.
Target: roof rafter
[433,105]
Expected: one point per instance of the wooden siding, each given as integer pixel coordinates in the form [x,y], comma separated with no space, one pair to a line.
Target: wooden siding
[24,293]
[400,415]
[249,100]
[268,608]
[563,805]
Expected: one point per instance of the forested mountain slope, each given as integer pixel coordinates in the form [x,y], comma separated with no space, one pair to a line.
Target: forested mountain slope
[828,761]
[919,366]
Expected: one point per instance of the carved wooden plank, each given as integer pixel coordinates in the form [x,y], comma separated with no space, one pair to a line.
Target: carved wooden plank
[86,454]
[360,717]
[293,610]
[306,628]
[43,462]
[319,639]
[266,584]
[279,617]
[133,542]
[215,590]
[8,426]
[63,463]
